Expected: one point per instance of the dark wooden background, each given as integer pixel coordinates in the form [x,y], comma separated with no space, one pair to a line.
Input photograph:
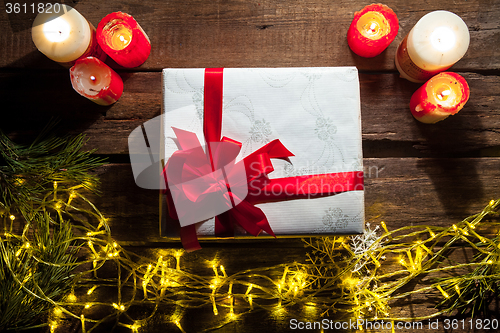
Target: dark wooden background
[425,174]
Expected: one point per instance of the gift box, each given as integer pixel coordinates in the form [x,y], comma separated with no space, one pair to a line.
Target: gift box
[310,115]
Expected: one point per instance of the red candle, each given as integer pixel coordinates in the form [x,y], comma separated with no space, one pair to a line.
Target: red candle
[443,95]
[123,39]
[94,80]
[372,30]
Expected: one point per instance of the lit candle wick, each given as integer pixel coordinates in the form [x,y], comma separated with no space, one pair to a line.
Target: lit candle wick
[92,77]
[122,39]
[443,94]
[372,27]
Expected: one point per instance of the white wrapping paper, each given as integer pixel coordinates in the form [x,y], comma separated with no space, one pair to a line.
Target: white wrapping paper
[314,112]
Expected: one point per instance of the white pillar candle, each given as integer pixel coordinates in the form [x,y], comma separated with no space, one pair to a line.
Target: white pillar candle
[434,44]
[65,36]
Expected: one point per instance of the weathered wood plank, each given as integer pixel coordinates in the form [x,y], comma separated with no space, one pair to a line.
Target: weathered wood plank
[270,33]
[400,191]
[266,33]
[34,98]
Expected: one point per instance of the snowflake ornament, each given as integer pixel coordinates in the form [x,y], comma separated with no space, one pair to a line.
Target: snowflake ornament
[361,244]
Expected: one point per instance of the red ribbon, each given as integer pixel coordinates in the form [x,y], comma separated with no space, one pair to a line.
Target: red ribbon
[190,163]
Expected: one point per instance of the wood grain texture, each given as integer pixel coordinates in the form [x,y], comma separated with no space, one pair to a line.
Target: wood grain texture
[387,126]
[415,173]
[267,33]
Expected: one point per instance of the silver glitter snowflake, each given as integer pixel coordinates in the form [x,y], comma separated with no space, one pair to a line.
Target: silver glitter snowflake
[361,244]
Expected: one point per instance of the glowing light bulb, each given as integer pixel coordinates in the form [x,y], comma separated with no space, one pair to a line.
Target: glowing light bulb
[71,298]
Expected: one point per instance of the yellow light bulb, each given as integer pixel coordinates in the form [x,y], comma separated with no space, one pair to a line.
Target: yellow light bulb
[223,270]
[445,294]
[248,289]
[135,327]
[91,290]
[71,298]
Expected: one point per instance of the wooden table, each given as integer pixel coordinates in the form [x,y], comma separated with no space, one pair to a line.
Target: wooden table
[422,174]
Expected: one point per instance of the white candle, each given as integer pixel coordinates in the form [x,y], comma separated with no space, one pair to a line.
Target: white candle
[434,44]
[65,36]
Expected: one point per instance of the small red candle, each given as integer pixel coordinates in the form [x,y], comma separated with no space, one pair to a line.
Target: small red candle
[94,80]
[123,39]
[443,95]
[372,30]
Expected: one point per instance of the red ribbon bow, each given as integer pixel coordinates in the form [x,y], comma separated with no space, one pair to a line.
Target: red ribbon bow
[198,177]
[200,184]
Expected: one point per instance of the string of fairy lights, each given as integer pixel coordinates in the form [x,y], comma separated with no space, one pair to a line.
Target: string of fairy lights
[359,276]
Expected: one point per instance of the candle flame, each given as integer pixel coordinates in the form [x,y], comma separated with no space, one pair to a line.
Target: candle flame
[443,94]
[443,39]
[57,30]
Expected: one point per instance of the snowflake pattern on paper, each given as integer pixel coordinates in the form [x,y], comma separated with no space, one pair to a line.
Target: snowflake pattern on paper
[312,76]
[260,131]
[198,103]
[325,129]
[335,219]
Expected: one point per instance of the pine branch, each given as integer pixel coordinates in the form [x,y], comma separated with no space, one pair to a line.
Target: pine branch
[31,271]
[29,171]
